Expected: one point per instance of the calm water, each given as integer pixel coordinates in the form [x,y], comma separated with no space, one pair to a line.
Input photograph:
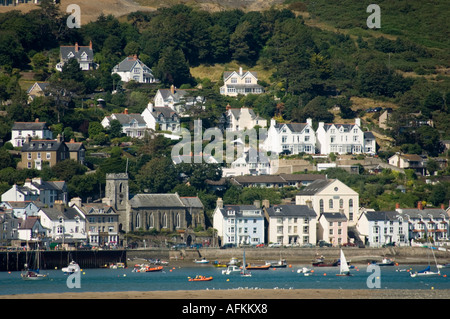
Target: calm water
[176,278]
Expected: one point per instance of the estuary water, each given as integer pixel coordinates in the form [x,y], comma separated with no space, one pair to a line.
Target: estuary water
[176,278]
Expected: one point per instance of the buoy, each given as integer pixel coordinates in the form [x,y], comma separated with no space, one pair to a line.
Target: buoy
[445,276]
[228,279]
[290,266]
[84,273]
[324,274]
[274,268]
[432,288]
[124,275]
[56,268]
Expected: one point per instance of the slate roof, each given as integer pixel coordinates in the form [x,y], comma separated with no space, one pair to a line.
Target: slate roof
[41,85]
[295,127]
[382,216]
[166,111]
[54,213]
[335,217]
[126,119]
[237,209]
[194,202]
[66,50]
[227,74]
[315,186]
[156,200]
[415,212]
[290,211]
[42,145]
[129,63]
[34,126]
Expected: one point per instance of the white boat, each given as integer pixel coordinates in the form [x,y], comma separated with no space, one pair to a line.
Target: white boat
[230,270]
[245,272]
[386,262]
[444,266]
[71,268]
[33,274]
[427,271]
[343,267]
[234,262]
[202,261]
[303,270]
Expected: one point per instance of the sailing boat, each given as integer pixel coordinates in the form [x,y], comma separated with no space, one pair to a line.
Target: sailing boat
[427,271]
[33,274]
[245,272]
[344,269]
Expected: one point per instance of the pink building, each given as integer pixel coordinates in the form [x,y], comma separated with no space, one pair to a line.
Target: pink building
[333,228]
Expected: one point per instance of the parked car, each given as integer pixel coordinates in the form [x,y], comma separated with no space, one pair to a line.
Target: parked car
[196,246]
[225,246]
[275,245]
[349,245]
[323,243]
[307,245]
[260,246]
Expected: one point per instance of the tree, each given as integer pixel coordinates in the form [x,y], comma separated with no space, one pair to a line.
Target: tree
[172,68]
[157,176]
[67,169]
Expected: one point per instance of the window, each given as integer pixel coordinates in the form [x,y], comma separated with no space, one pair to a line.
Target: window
[233,80]
[330,203]
[177,221]
[138,220]
[29,156]
[164,221]
[350,209]
[248,80]
[321,205]
[341,203]
[49,156]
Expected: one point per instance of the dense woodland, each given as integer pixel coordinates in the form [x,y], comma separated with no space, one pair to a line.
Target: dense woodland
[311,71]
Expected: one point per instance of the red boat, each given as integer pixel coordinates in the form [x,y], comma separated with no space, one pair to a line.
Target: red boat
[200,278]
[151,269]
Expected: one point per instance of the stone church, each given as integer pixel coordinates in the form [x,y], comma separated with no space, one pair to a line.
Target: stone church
[152,211]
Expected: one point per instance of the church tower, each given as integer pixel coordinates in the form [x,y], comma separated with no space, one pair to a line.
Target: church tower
[117,190]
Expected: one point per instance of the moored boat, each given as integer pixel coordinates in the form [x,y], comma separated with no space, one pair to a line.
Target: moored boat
[153,269]
[343,266]
[257,267]
[230,270]
[200,278]
[71,268]
[201,261]
[277,264]
[386,262]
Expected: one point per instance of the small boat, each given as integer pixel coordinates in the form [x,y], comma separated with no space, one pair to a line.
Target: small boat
[32,275]
[427,271]
[257,267]
[322,263]
[200,278]
[444,266]
[385,262]
[217,263]
[117,266]
[230,270]
[153,269]
[234,262]
[303,270]
[343,267]
[71,268]
[202,261]
[277,264]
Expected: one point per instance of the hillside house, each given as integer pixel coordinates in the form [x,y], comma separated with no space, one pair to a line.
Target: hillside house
[240,119]
[36,152]
[83,54]
[36,130]
[133,69]
[133,124]
[236,83]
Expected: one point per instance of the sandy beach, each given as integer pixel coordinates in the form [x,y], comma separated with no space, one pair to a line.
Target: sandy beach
[236,294]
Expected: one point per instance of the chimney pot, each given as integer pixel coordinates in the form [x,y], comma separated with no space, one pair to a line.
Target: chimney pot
[219,202]
[90,44]
[76,46]
[397,205]
[125,111]
[172,89]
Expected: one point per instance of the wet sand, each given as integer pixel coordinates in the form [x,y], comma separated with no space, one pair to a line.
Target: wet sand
[237,294]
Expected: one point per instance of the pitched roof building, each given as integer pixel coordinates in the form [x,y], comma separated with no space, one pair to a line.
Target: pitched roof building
[83,54]
[131,68]
[240,83]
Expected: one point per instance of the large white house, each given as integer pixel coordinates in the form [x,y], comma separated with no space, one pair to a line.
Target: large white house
[240,83]
[344,138]
[293,138]
[178,100]
[161,118]
[133,124]
[83,54]
[37,130]
[131,68]
[378,228]
[65,224]
[290,224]
[251,162]
[46,192]
[330,196]
[242,119]
[239,224]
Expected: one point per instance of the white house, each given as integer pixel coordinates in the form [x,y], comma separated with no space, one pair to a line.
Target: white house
[178,100]
[240,119]
[239,224]
[161,118]
[21,209]
[251,162]
[240,83]
[83,54]
[378,228]
[409,161]
[37,130]
[293,138]
[36,189]
[330,196]
[131,68]
[66,225]
[290,224]
[133,124]
[30,229]
[424,223]
[344,138]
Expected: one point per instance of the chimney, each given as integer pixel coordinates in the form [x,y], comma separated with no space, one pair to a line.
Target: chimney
[90,44]
[135,56]
[257,203]
[172,89]
[228,107]
[36,120]
[397,205]
[358,122]
[76,46]
[442,206]
[59,138]
[419,205]
[219,203]
[28,139]
[309,204]
[125,111]
[72,140]
[75,201]
[309,121]
[266,203]
[59,205]
[240,71]
[150,107]
[107,201]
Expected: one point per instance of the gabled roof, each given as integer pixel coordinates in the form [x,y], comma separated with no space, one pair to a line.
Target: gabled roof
[70,51]
[418,213]
[228,74]
[42,146]
[291,211]
[55,213]
[316,186]
[237,210]
[129,63]
[381,216]
[335,217]
[156,200]
[164,110]
[193,202]
[126,119]
[40,85]
[295,127]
